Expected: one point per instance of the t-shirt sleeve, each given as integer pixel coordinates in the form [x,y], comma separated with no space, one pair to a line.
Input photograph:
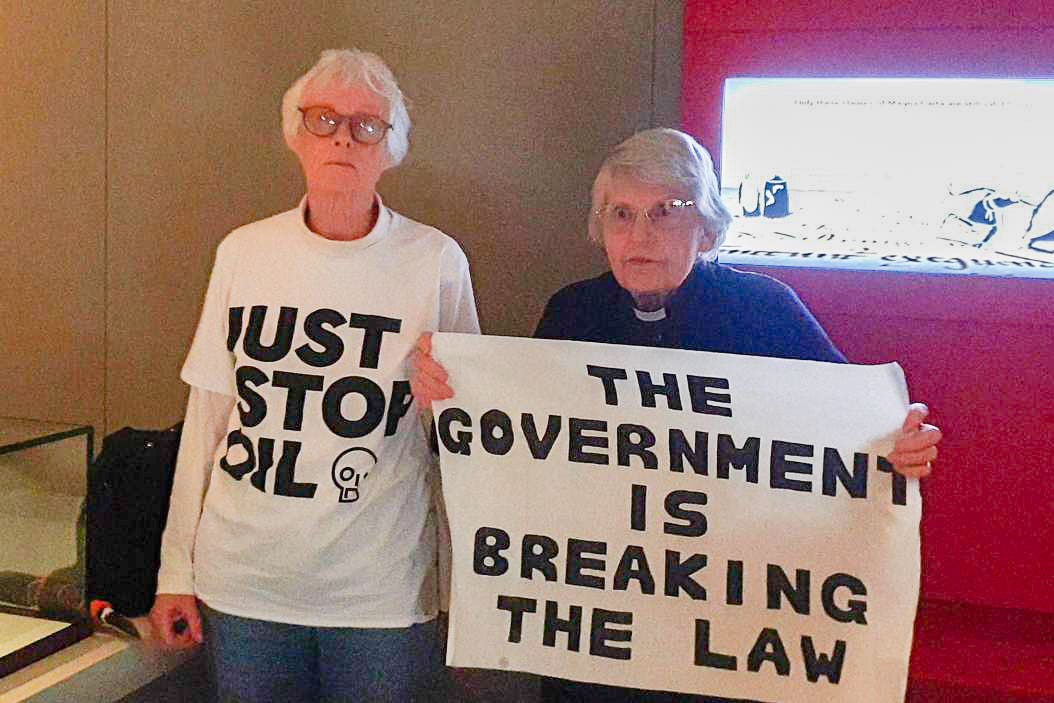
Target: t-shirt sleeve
[457,304]
[203,428]
[210,364]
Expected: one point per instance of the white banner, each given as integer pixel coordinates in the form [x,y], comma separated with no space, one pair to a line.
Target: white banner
[678,521]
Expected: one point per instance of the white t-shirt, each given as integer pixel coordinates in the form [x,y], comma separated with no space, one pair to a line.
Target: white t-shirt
[318,503]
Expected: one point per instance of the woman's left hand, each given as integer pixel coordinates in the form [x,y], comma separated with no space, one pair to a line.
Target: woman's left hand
[428,378]
[916,445]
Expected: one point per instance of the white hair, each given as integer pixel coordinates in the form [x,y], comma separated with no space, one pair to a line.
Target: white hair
[665,157]
[348,68]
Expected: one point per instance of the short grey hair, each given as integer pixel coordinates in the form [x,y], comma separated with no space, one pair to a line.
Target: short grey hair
[352,67]
[665,157]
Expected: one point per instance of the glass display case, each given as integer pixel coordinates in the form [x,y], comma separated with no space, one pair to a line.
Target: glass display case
[43,474]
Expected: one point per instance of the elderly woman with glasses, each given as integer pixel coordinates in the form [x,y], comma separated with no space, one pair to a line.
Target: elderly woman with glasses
[658,214]
[301,540]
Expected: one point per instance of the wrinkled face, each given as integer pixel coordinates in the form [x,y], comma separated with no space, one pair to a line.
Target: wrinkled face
[338,162]
[644,260]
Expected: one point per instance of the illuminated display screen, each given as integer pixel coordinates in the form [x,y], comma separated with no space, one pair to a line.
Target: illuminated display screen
[930,175]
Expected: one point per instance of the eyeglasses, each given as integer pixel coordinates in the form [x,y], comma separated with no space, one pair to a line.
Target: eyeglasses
[666,215]
[323,122]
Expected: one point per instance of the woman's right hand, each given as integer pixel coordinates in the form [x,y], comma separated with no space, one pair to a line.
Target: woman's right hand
[176,620]
[428,379]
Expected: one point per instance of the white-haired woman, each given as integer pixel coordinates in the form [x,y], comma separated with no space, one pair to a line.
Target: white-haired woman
[657,212]
[300,543]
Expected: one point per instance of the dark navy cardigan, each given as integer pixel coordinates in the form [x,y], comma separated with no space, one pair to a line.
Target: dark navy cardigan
[717,309]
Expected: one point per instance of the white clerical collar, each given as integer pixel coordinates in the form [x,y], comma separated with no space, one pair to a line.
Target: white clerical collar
[650,315]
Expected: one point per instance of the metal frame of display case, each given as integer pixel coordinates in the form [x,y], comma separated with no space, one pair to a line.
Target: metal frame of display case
[37,433]
[74,431]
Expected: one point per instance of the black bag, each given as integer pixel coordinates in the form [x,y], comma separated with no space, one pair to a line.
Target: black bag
[129,486]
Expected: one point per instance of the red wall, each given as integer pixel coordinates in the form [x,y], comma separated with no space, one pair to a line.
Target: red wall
[979,350]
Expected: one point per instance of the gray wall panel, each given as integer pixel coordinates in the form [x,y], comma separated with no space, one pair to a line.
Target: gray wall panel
[52,196]
[514,105]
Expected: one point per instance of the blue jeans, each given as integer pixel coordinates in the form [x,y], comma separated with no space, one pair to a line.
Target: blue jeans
[258,661]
